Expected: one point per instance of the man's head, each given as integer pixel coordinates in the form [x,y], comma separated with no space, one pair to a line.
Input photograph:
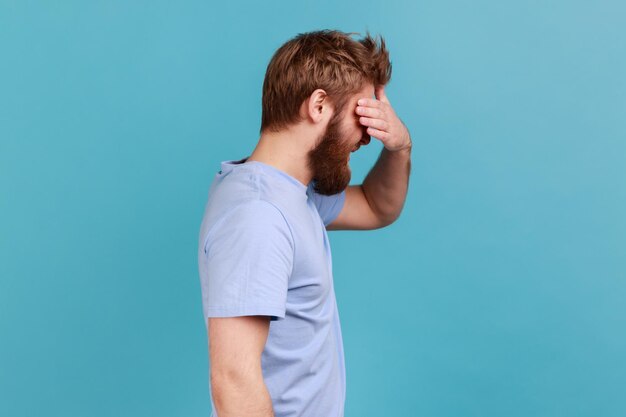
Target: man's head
[328,160]
[328,67]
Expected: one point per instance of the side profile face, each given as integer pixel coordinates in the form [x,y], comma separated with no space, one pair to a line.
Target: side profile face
[329,160]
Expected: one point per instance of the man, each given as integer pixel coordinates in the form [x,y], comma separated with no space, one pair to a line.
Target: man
[275,345]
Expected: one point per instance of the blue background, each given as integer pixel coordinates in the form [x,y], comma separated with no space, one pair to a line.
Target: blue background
[500,291]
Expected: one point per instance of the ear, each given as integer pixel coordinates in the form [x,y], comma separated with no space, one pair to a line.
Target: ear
[318,106]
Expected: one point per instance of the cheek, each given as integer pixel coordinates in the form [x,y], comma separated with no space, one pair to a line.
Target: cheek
[360,129]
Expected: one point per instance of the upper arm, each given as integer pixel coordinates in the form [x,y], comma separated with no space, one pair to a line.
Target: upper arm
[236,345]
[356,214]
[248,258]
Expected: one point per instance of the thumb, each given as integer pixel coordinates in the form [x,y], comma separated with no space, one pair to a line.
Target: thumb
[379,91]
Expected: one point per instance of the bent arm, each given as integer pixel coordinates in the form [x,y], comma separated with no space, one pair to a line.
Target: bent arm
[386,185]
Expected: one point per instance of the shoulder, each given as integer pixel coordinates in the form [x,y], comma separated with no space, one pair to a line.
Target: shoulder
[254,220]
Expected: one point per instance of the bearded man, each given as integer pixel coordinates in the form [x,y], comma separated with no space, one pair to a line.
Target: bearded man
[274,335]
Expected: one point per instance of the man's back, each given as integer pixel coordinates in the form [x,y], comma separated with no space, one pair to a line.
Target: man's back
[264,250]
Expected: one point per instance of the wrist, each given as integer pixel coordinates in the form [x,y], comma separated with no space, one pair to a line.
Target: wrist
[404,149]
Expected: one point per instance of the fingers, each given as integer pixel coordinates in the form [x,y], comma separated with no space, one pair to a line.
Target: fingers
[370,112]
[377,133]
[378,124]
[370,102]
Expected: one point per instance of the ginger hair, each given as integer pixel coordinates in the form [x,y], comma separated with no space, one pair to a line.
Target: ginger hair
[326,59]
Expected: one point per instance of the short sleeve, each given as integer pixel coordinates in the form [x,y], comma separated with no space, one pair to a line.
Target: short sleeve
[249,257]
[328,206]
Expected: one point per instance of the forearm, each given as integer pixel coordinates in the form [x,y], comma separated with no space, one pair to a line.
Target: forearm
[241,396]
[386,185]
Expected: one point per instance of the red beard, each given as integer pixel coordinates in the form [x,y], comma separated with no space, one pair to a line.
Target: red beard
[328,161]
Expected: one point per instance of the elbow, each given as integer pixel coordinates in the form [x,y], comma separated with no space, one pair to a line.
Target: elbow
[388,219]
[226,377]
[236,393]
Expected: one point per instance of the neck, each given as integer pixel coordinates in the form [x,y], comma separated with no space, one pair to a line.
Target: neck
[287,151]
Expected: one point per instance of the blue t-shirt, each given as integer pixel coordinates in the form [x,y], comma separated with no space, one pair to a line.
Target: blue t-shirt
[263,250]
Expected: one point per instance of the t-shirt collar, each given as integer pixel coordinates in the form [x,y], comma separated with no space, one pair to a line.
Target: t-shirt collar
[229,165]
